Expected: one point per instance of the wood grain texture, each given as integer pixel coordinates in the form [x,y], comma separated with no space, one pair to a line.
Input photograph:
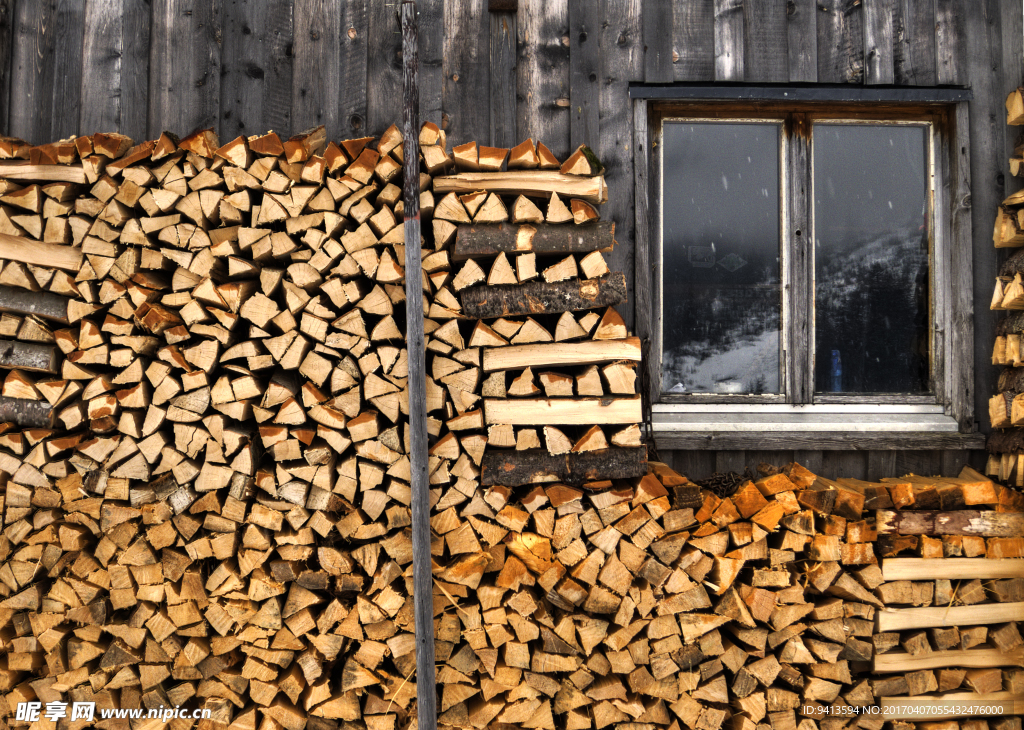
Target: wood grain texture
[184,64]
[847,463]
[951,38]
[899,661]
[466,72]
[351,102]
[729,64]
[28,356]
[961,522]
[502,54]
[881,464]
[825,444]
[473,241]
[256,93]
[542,73]
[765,41]
[31,72]
[693,40]
[732,460]
[383,67]
[69,34]
[657,39]
[951,568]
[37,253]
[584,66]
[840,42]
[318,87]
[136,18]
[961,336]
[41,304]
[913,25]
[25,413]
[6,49]
[878,42]
[567,411]
[512,468]
[622,61]
[802,31]
[431,49]
[101,79]
[647,274]
[798,337]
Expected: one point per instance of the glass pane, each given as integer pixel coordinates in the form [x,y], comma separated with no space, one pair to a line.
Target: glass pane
[722,303]
[871,218]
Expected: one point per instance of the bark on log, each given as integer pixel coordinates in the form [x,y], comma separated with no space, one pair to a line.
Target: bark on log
[28,356]
[539,297]
[516,468]
[41,304]
[963,522]
[473,241]
[27,413]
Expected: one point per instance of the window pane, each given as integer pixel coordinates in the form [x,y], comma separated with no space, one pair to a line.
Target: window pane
[722,303]
[871,219]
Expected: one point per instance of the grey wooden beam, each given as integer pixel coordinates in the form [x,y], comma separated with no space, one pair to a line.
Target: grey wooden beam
[25,413]
[39,303]
[423,584]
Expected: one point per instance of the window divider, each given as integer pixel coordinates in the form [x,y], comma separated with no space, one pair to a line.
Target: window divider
[798,271]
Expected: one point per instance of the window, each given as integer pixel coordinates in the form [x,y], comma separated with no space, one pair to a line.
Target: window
[803,257]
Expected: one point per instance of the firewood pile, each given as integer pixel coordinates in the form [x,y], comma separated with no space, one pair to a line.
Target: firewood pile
[1006,407]
[218,514]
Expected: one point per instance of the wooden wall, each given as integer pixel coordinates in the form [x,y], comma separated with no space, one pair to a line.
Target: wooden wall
[557,70]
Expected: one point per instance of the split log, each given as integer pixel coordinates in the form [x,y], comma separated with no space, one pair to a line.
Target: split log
[963,522]
[529,183]
[478,241]
[969,658]
[517,468]
[38,253]
[903,619]
[539,297]
[950,569]
[564,412]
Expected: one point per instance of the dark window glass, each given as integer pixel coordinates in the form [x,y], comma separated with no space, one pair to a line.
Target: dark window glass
[871,221]
[721,292]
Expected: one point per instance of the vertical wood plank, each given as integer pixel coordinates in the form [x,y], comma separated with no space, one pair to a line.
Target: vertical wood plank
[466,71]
[952,462]
[802,29]
[351,99]
[31,72]
[980,163]
[622,60]
[646,279]
[1011,24]
[846,464]
[584,65]
[317,84]
[695,465]
[813,460]
[384,67]
[693,40]
[878,42]
[881,464]
[951,18]
[542,106]
[431,50]
[136,19]
[256,92]
[765,41]
[503,79]
[726,461]
[657,39]
[840,42]
[798,276]
[729,40]
[66,102]
[914,42]
[922,463]
[6,61]
[102,76]
[960,376]
[184,63]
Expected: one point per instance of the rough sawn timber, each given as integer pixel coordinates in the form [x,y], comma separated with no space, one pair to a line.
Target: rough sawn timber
[515,468]
[472,241]
[525,182]
[539,297]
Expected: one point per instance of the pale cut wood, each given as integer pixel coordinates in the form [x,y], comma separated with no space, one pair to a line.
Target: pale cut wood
[576,412]
[898,661]
[532,183]
[37,253]
[590,352]
[902,619]
[951,569]
[43,173]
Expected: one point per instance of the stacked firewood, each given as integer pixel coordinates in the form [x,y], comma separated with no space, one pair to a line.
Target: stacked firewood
[219,514]
[1006,408]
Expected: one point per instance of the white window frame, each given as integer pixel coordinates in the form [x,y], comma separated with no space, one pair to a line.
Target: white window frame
[942,420]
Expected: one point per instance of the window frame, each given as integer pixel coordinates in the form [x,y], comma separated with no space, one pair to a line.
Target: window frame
[687,419]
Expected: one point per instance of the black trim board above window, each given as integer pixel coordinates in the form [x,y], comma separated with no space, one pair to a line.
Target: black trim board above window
[948,400]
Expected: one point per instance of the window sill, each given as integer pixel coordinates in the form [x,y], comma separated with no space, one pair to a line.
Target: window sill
[859,428]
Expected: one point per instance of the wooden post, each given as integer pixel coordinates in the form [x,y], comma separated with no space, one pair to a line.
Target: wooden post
[423,588]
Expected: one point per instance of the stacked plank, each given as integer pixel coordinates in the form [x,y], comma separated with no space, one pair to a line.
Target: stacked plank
[1006,442]
[218,515]
[542,375]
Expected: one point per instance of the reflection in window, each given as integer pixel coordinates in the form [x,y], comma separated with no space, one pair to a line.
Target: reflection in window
[721,290]
[871,220]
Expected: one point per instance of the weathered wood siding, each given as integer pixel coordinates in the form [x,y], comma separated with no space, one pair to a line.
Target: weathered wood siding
[556,70]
